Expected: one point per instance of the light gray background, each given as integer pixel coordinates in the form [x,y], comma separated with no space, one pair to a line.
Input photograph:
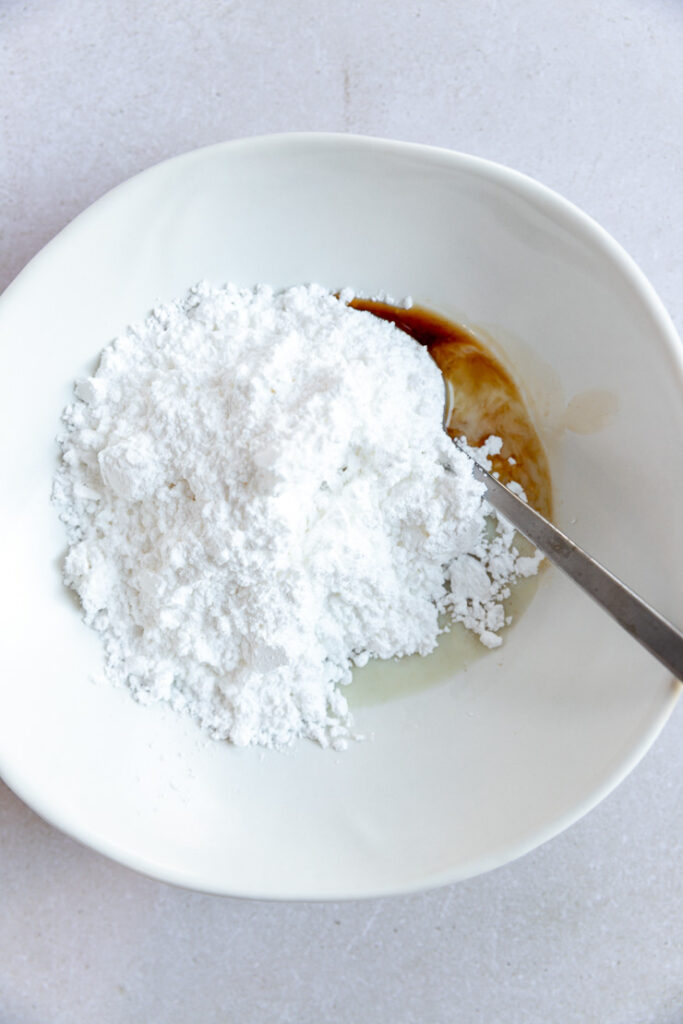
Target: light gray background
[587,97]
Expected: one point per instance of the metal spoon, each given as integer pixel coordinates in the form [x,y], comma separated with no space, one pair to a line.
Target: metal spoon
[647,626]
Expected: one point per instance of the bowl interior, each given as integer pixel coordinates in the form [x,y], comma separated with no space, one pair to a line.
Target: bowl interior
[454,777]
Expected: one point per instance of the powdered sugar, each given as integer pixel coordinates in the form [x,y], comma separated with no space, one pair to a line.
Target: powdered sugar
[258,495]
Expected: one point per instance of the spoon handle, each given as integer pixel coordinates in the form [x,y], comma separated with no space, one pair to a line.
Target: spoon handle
[647,626]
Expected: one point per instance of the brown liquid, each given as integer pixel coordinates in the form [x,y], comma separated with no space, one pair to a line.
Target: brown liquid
[485,398]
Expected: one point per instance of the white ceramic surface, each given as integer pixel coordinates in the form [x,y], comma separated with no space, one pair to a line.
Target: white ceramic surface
[458,777]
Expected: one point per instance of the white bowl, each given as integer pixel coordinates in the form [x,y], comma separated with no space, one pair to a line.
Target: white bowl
[482,764]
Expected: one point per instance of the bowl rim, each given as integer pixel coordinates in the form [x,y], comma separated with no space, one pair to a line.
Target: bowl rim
[539,195]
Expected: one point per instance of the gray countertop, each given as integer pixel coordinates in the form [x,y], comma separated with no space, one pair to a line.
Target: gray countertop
[585,97]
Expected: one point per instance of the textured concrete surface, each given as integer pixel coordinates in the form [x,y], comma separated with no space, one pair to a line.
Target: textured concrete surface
[587,98]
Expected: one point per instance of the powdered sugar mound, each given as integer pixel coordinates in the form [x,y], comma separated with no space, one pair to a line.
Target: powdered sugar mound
[258,495]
